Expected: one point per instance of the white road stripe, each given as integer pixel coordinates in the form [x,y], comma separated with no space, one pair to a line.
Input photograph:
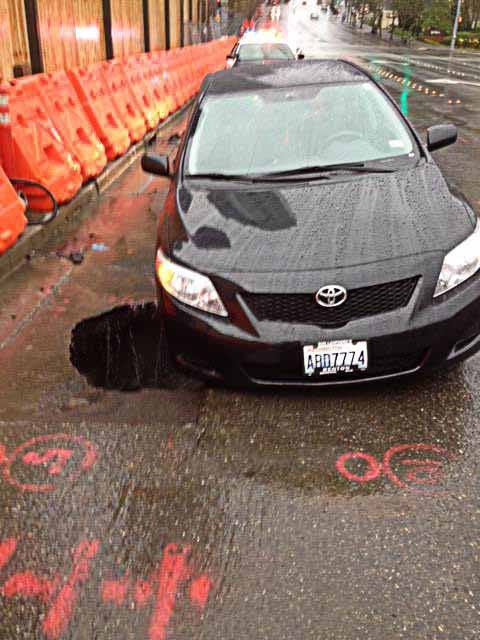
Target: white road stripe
[450,81]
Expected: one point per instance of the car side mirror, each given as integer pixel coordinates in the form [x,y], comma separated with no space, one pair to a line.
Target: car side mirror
[301,56]
[156,164]
[441,135]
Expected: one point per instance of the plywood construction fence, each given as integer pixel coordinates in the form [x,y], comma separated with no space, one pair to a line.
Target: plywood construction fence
[156,12]
[6,53]
[71,33]
[175,26]
[127,27]
[18,32]
[13,37]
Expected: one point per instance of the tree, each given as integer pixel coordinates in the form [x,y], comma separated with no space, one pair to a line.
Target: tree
[376,9]
[439,15]
[470,15]
[409,14]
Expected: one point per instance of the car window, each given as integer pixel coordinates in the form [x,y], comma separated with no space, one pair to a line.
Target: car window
[284,129]
[252,52]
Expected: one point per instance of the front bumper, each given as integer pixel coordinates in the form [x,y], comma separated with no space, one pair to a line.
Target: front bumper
[217,349]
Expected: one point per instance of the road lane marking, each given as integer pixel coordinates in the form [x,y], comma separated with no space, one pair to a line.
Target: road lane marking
[450,81]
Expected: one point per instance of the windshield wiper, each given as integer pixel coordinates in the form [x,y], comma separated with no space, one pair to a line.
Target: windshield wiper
[319,170]
[218,176]
[358,167]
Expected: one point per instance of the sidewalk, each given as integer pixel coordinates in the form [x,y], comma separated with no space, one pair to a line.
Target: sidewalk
[366,31]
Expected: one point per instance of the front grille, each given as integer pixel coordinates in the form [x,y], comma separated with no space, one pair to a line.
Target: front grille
[302,308]
[380,364]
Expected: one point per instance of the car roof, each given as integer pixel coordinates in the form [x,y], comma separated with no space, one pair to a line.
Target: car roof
[285,73]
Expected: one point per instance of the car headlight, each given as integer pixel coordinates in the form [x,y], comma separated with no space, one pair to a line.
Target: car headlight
[188,286]
[460,263]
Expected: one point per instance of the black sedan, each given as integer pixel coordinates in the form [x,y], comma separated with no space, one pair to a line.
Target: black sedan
[309,238]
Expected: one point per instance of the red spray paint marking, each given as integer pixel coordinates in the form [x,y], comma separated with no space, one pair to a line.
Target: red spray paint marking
[28,585]
[433,468]
[115,591]
[172,572]
[7,549]
[142,593]
[199,591]
[426,471]
[164,586]
[374,467]
[27,454]
[60,457]
[58,617]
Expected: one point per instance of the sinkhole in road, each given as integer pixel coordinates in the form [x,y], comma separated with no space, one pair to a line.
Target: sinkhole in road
[124,349]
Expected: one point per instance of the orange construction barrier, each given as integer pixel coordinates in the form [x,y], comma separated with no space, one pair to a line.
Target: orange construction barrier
[163,70]
[72,123]
[152,77]
[12,209]
[52,127]
[96,100]
[31,147]
[183,66]
[139,87]
[124,99]
[161,92]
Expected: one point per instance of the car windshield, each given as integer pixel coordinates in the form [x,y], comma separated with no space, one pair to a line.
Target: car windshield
[253,52]
[275,130]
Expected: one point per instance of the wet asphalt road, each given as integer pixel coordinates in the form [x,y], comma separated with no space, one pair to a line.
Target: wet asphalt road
[176,510]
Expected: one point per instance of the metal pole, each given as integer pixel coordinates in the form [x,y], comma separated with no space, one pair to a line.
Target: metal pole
[167,23]
[182,23]
[146,25]
[33,33]
[455,26]
[107,28]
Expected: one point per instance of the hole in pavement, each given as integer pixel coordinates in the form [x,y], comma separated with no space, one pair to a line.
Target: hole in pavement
[124,349]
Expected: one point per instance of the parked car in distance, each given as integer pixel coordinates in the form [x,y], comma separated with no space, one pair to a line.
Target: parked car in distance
[261,47]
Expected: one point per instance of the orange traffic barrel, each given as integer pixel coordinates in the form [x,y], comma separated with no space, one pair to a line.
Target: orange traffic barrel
[33,149]
[95,98]
[12,210]
[72,123]
[124,99]
[138,84]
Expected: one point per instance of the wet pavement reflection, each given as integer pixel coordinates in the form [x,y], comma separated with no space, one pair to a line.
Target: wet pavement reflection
[137,502]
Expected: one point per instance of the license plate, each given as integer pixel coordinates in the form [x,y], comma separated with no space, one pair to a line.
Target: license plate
[336,356]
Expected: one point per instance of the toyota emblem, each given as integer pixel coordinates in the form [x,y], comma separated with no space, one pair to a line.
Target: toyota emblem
[333,295]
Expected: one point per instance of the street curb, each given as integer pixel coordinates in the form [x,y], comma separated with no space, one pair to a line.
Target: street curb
[39,237]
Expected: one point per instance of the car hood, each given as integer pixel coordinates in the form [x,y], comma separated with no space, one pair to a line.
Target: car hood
[329,224]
